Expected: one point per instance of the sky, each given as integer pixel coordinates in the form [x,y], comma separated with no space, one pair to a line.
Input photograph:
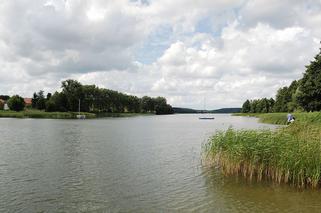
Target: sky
[223,51]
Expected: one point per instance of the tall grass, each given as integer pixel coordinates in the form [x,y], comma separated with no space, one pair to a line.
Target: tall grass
[289,155]
[281,118]
[42,114]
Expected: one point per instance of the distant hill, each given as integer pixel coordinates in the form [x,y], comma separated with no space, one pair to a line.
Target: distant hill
[185,110]
[222,110]
[226,110]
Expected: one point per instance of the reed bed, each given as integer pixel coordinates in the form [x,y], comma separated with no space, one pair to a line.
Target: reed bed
[287,155]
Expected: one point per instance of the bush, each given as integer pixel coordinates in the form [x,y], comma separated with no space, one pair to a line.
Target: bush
[16,103]
[163,109]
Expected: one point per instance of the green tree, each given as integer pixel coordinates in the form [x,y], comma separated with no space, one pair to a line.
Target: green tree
[133,104]
[117,101]
[161,107]
[16,103]
[73,91]
[41,103]
[309,91]
[271,104]
[51,106]
[34,100]
[259,106]
[103,102]
[159,101]
[283,97]
[246,107]
[39,100]
[1,105]
[147,104]
[48,95]
[254,104]
[57,102]
[95,99]
[90,94]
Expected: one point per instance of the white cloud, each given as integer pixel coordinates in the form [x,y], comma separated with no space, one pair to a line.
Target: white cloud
[252,48]
[242,64]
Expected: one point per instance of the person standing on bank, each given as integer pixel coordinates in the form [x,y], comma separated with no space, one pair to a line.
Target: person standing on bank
[291,118]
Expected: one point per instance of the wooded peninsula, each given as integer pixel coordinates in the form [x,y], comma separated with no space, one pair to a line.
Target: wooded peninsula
[88,99]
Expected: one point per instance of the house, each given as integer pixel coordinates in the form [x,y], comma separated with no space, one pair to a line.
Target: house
[28,102]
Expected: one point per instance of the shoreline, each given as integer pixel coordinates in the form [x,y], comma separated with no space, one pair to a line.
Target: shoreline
[38,114]
[280,118]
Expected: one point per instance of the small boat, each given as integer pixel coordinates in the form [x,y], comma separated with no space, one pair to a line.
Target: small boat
[204,111]
[81,116]
[206,118]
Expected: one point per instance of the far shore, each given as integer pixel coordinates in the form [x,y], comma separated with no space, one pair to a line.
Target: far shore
[31,113]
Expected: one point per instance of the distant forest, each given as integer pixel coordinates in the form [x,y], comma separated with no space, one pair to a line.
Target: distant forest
[302,95]
[93,99]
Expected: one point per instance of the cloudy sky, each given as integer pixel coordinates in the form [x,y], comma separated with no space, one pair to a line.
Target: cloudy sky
[185,50]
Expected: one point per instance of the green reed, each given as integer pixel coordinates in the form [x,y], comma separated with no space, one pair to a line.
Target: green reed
[288,155]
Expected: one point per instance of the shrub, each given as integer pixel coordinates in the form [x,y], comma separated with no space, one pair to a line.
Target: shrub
[16,103]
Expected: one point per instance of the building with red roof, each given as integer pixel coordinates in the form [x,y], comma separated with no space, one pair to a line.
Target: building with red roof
[28,101]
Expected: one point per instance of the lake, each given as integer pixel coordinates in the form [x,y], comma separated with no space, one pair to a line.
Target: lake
[137,164]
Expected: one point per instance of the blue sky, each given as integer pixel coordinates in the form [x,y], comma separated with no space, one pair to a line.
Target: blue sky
[155,45]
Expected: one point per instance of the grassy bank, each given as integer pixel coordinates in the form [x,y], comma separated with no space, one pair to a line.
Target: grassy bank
[42,114]
[291,154]
[281,118]
[62,115]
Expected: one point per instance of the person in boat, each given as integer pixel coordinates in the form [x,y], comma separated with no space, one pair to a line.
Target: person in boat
[291,118]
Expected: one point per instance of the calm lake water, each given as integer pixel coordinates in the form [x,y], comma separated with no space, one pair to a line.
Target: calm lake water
[138,164]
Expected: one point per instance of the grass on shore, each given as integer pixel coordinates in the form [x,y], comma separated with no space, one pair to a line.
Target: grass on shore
[41,114]
[281,118]
[31,113]
[291,154]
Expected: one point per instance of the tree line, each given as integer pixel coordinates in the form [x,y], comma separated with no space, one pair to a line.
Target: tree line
[302,95]
[93,99]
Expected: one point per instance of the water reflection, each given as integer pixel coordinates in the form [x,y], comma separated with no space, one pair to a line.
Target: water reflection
[237,194]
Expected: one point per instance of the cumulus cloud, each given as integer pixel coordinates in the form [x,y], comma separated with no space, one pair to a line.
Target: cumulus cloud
[245,49]
[66,36]
[240,64]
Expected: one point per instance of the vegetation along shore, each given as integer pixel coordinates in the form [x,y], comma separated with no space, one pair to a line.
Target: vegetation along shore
[74,98]
[42,114]
[290,154]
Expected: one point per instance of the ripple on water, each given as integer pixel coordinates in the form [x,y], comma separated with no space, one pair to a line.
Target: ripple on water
[142,164]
